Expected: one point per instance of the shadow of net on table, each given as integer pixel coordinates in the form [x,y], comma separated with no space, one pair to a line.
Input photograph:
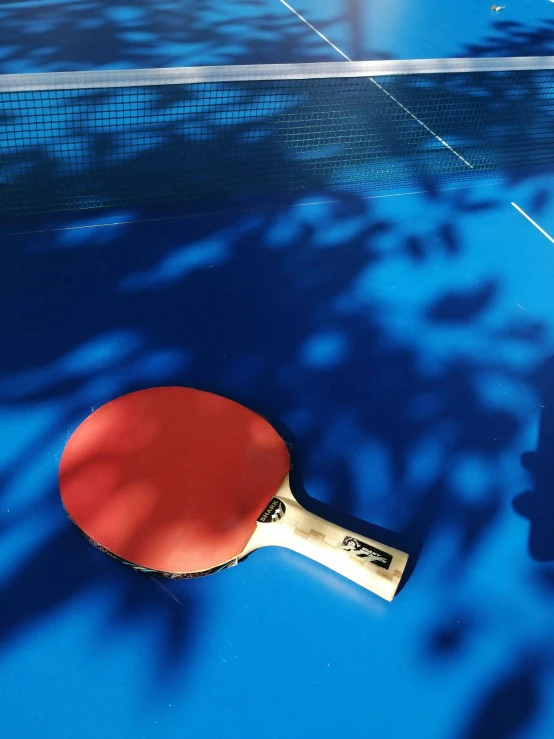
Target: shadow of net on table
[274,307]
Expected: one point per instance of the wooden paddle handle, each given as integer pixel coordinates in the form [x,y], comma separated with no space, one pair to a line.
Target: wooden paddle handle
[374,566]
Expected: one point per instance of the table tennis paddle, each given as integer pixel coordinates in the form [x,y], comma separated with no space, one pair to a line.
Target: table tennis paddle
[184,483]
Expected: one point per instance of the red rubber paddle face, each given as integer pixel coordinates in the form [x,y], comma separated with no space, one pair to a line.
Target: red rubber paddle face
[172,479]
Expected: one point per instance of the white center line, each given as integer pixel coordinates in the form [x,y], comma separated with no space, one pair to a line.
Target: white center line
[536,225]
[348,59]
[336,48]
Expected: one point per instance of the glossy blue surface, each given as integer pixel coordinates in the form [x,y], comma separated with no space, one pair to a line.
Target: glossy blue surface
[403,346]
[62,35]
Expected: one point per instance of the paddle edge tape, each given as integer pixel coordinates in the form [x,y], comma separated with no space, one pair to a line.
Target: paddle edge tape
[273,512]
[155,573]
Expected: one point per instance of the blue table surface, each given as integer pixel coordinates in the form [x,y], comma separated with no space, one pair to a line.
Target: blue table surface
[62,35]
[402,343]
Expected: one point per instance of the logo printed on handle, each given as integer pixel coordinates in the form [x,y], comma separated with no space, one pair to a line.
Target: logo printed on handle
[274,512]
[364,551]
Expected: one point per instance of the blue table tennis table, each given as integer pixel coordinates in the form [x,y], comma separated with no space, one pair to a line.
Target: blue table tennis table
[401,341]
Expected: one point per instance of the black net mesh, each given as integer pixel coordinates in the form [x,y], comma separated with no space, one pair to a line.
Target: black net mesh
[75,149]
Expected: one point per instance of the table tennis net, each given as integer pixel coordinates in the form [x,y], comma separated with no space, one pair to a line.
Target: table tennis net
[107,139]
